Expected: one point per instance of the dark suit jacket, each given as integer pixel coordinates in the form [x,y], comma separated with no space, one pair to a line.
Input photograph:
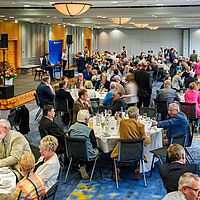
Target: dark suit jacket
[117,105]
[52,128]
[63,94]
[144,82]
[171,172]
[77,107]
[106,85]
[45,94]
[45,63]
[80,62]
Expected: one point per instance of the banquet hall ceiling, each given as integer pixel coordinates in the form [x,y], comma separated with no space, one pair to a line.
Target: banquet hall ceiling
[162,13]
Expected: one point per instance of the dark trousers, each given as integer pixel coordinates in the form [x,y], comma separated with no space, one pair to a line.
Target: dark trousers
[64,64]
[144,101]
[50,70]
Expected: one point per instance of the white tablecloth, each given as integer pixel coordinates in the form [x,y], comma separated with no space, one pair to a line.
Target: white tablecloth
[107,143]
[7,176]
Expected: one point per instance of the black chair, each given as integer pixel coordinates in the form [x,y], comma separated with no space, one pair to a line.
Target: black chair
[50,195]
[162,108]
[35,150]
[39,105]
[95,104]
[130,150]
[39,72]
[151,112]
[162,152]
[14,118]
[76,148]
[62,106]
[190,111]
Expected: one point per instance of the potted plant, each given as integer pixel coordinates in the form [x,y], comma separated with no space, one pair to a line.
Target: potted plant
[8,75]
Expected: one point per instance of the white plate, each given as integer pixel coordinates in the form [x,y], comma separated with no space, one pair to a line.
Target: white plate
[4,172]
[7,186]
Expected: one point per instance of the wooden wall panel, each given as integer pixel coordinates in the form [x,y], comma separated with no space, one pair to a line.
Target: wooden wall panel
[14,42]
[59,33]
[88,39]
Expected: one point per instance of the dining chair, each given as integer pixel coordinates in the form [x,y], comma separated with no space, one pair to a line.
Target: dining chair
[50,195]
[151,112]
[162,108]
[39,105]
[129,151]
[76,148]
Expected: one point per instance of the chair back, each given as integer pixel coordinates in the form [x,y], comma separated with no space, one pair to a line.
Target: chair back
[151,112]
[189,109]
[130,150]
[61,105]
[179,139]
[50,195]
[162,108]
[95,104]
[37,99]
[77,148]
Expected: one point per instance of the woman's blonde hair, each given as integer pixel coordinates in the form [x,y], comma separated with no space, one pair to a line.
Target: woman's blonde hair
[130,78]
[27,162]
[49,142]
[88,85]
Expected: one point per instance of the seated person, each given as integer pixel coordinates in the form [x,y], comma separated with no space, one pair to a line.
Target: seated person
[89,87]
[48,166]
[131,129]
[106,103]
[80,81]
[12,146]
[188,188]
[87,73]
[117,104]
[103,84]
[177,124]
[48,126]
[45,92]
[31,186]
[167,93]
[47,65]
[171,172]
[81,103]
[68,86]
[62,94]
[189,80]
[81,130]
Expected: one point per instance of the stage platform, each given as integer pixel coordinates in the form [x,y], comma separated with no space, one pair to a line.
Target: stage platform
[24,89]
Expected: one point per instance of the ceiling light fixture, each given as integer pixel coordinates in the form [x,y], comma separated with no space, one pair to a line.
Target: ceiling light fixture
[141,25]
[120,20]
[153,28]
[72,9]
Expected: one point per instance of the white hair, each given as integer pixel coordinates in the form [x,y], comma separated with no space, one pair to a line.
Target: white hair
[174,106]
[83,115]
[187,179]
[5,122]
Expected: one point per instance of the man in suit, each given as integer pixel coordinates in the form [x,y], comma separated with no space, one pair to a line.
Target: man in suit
[80,62]
[61,96]
[45,92]
[171,172]
[81,103]
[12,146]
[167,93]
[144,82]
[47,65]
[48,127]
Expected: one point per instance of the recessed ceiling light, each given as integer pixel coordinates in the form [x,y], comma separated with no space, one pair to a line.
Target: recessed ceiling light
[55,17]
[99,16]
[11,17]
[159,4]
[13,3]
[48,16]
[113,2]
[5,19]
[27,5]
[104,17]
[2,16]
[49,23]
[16,21]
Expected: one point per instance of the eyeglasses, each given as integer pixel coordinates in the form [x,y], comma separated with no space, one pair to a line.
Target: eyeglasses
[194,189]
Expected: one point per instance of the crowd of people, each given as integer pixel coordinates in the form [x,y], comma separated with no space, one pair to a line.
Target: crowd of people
[127,84]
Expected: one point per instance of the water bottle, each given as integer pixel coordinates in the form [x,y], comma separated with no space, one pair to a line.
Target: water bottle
[98,119]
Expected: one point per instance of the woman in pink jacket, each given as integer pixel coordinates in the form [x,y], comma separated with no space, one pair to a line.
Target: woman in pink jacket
[192,95]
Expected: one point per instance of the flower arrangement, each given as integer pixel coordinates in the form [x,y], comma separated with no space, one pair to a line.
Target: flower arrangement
[9,73]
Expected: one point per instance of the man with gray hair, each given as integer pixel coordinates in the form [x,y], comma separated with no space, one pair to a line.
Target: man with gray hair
[188,188]
[167,93]
[12,146]
[176,124]
[171,172]
[81,130]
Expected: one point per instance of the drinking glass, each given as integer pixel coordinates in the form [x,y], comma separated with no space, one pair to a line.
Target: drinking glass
[91,123]
[102,125]
[144,115]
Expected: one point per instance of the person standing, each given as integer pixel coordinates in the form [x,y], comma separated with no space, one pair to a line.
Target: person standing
[144,82]
[64,59]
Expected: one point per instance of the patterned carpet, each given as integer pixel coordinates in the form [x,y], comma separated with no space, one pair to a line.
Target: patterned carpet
[76,189]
